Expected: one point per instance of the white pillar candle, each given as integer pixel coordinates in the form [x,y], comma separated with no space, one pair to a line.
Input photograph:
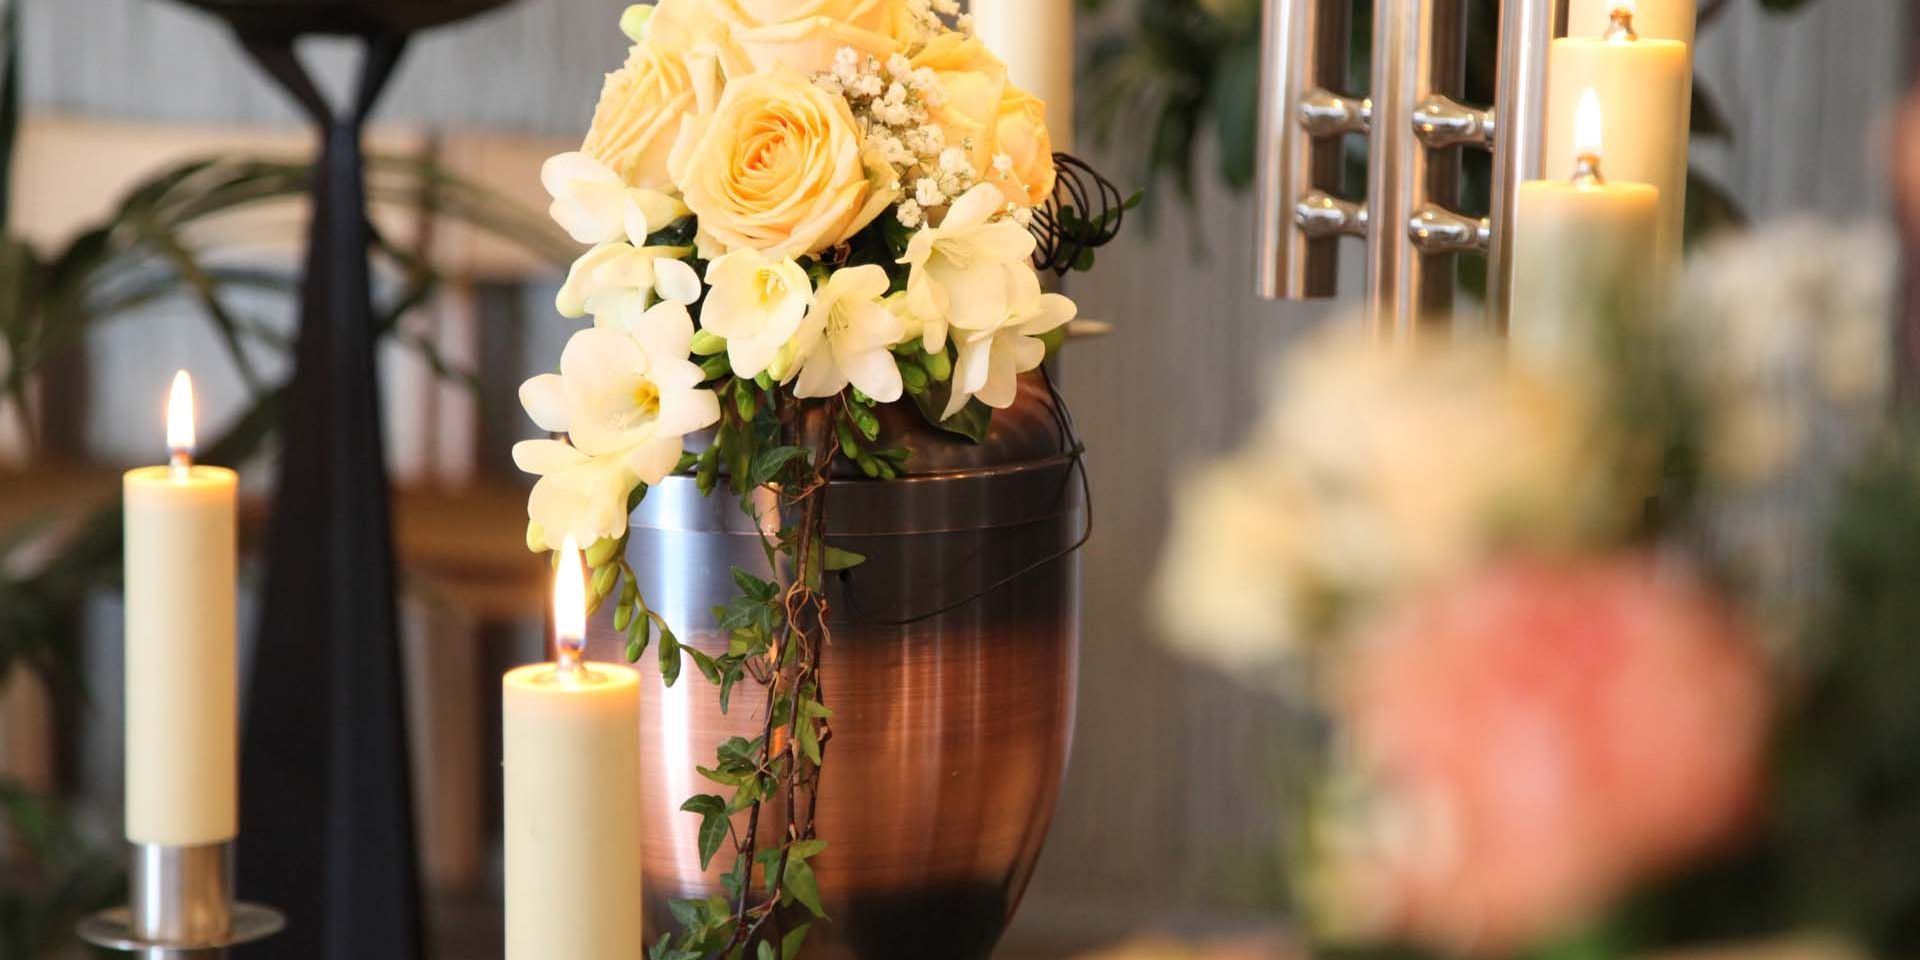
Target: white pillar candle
[1643,85]
[1035,38]
[181,684]
[1581,244]
[572,788]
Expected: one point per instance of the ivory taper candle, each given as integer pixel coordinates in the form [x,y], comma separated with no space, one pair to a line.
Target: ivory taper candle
[181,684]
[1644,85]
[1035,39]
[572,771]
[1581,244]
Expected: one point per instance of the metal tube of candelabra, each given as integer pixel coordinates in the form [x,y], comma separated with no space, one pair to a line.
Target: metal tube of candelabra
[1415,128]
[180,906]
[1527,30]
[1413,176]
[1301,219]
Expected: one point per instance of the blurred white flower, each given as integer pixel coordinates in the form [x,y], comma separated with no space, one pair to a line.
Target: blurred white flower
[618,276]
[959,270]
[626,395]
[594,205]
[846,336]
[1376,470]
[1785,332]
[1787,328]
[993,357]
[757,303]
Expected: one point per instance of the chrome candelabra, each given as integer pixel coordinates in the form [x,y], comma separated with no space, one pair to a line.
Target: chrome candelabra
[180,907]
[1413,124]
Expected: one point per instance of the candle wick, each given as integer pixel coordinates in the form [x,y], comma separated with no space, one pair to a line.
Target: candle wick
[1586,171]
[1620,25]
[567,658]
[180,463]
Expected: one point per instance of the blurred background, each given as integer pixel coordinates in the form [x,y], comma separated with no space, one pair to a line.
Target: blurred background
[1166,823]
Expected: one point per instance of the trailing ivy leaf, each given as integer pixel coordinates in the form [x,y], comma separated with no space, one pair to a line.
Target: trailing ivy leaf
[809,741]
[801,885]
[740,752]
[838,559]
[768,463]
[753,586]
[713,833]
[765,951]
[704,804]
[806,849]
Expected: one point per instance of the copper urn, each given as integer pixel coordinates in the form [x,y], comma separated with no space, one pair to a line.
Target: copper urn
[951,728]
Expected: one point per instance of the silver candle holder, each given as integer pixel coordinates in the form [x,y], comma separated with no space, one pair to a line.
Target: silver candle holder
[1412,124]
[180,906]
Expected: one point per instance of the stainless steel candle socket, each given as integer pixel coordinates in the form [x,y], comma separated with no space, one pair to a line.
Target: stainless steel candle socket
[180,907]
[1413,123]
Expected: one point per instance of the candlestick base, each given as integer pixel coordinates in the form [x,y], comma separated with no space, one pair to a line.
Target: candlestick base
[181,907]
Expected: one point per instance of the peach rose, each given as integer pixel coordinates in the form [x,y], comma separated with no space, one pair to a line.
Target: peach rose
[808,44]
[641,107]
[778,167]
[1021,134]
[972,82]
[1548,734]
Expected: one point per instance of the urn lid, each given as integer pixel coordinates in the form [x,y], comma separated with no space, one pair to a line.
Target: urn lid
[1034,428]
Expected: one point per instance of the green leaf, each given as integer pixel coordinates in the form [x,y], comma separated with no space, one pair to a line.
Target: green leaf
[707,667]
[791,943]
[704,804]
[770,461]
[809,741]
[753,586]
[713,833]
[805,849]
[838,559]
[971,422]
[765,951]
[801,885]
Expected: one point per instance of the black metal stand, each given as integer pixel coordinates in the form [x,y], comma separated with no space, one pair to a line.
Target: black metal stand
[326,802]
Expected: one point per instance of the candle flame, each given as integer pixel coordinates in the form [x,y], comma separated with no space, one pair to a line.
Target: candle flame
[1587,126]
[180,438]
[570,603]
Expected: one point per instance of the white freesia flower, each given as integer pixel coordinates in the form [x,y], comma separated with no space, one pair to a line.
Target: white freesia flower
[626,395]
[577,496]
[594,205]
[960,269]
[845,337]
[757,303]
[992,358]
[618,276]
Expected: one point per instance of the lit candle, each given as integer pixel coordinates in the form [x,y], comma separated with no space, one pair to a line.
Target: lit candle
[571,762]
[1579,243]
[181,684]
[1644,84]
[1035,39]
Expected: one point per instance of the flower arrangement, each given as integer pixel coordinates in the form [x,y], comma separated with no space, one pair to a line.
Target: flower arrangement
[794,213]
[1601,648]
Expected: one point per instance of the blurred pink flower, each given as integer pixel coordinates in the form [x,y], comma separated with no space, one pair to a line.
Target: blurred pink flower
[1540,738]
